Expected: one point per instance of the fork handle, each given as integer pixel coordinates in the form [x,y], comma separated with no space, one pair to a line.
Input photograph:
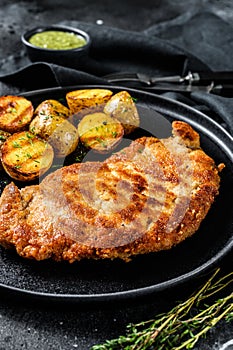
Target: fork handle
[217,77]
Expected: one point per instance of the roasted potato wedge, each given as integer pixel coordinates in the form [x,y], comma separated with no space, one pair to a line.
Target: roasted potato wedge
[122,107]
[25,156]
[16,113]
[100,132]
[52,127]
[82,102]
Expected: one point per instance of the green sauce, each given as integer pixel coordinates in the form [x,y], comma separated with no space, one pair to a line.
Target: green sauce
[57,40]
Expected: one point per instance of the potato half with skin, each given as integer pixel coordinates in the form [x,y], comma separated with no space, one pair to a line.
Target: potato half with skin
[64,139]
[82,102]
[52,108]
[122,107]
[16,113]
[55,129]
[47,116]
[100,132]
[25,157]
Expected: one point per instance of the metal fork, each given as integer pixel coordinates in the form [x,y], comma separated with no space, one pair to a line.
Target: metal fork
[150,81]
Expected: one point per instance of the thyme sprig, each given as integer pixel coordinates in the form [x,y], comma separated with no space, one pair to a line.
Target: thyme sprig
[182,326]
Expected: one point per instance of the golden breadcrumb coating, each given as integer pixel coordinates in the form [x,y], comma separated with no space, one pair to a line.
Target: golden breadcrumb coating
[148,197]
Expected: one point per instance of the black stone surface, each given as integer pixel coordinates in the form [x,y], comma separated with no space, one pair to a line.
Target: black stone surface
[25,324]
[19,16]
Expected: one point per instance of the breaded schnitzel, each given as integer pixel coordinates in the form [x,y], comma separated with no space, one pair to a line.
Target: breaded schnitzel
[148,197]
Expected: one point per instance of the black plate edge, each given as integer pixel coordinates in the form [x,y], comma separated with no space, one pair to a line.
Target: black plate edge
[124,295]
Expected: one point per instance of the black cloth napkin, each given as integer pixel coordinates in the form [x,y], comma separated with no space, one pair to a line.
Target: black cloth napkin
[197,42]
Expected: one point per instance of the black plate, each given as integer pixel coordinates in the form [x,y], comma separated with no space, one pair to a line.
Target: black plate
[111,280]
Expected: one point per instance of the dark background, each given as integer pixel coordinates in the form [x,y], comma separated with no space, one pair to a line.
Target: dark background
[138,15]
[28,325]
